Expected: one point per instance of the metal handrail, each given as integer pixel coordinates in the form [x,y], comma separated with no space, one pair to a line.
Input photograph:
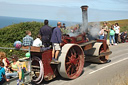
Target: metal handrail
[15,48]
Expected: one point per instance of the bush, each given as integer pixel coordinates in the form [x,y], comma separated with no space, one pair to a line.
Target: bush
[12,33]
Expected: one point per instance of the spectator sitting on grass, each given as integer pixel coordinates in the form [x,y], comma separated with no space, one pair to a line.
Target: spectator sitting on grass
[14,67]
[4,59]
[123,36]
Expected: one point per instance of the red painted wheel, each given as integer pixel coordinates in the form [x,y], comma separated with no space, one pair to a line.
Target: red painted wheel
[72,61]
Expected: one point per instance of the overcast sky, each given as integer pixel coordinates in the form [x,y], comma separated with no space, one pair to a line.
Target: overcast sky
[67,10]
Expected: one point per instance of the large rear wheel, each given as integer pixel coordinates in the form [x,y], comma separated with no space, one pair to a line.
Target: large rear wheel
[72,61]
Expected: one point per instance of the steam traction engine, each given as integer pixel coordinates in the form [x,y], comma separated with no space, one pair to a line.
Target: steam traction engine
[75,51]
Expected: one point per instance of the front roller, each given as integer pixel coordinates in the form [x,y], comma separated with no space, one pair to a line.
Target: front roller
[98,54]
[72,61]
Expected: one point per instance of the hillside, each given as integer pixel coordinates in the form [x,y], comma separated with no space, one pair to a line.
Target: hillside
[15,32]
[122,23]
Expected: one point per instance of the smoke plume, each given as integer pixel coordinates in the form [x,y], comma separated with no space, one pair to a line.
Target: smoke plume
[94,29]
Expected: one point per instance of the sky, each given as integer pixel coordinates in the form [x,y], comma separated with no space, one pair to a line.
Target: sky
[65,10]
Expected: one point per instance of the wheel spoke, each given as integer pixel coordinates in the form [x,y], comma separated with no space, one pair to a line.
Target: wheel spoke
[69,57]
[69,68]
[70,52]
[72,70]
[74,52]
[78,58]
[77,66]
[67,63]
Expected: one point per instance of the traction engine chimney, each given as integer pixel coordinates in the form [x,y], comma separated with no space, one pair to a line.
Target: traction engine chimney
[85,18]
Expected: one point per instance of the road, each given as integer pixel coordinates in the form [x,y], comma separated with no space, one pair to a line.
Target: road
[101,74]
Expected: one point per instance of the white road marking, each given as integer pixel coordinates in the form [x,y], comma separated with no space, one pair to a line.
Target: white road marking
[110,64]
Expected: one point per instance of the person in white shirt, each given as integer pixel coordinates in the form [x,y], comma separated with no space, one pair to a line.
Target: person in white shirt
[117,32]
[37,42]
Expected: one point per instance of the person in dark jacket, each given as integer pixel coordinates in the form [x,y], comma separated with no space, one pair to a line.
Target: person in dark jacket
[46,33]
[56,42]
